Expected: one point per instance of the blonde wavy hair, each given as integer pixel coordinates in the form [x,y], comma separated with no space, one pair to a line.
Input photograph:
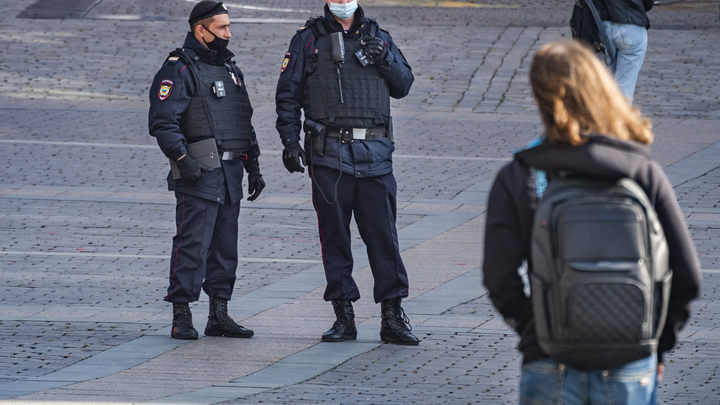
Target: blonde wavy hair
[577,96]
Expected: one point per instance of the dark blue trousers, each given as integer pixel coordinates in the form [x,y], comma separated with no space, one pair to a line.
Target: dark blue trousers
[204,253]
[372,201]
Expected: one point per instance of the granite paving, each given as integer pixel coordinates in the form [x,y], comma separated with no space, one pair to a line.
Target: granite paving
[86,220]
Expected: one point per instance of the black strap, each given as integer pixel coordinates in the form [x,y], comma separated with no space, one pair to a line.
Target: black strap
[186,54]
[317,26]
[373,26]
[190,58]
[609,47]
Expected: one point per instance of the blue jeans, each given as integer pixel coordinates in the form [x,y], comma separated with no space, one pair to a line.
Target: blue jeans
[631,43]
[549,382]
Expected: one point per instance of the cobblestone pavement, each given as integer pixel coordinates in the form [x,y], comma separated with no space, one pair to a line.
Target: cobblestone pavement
[86,220]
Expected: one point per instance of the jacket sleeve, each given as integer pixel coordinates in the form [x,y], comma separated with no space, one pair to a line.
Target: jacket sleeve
[684,260]
[504,249]
[289,93]
[253,152]
[165,114]
[395,68]
[648,4]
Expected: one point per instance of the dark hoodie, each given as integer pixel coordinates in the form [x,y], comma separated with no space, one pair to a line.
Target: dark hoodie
[511,208]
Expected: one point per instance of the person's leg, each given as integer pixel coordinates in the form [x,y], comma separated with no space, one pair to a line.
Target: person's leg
[195,220]
[222,259]
[611,31]
[334,230]
[631,43]
[220,277]
[334,211]
[375,214]
[632,384]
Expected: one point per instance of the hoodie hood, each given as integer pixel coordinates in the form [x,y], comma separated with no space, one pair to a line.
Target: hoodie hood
[600,156]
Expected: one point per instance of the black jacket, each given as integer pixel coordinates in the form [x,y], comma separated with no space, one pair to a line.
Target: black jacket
[511,208]
[164,124]
[360,159]
[625,11]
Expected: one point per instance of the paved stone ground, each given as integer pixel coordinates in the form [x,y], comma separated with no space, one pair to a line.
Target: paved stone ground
[84,236]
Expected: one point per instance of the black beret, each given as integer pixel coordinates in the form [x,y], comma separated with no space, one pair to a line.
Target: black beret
[206,9]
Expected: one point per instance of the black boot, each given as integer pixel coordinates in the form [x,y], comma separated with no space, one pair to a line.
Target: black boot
[395,326]
[220,324]
[344,326]
[182,326]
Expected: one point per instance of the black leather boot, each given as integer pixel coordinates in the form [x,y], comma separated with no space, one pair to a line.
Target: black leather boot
[344,326]
[182,326]
[220,324]
[395,326]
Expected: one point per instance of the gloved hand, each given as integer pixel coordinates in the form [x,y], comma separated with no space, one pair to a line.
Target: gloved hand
[375,49]
[190,169]
[292,154]
[256,184]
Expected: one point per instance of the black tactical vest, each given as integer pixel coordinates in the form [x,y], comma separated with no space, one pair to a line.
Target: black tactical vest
[227,119]
[366,96]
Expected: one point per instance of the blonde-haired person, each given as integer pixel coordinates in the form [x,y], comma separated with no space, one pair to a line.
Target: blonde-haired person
[589,130]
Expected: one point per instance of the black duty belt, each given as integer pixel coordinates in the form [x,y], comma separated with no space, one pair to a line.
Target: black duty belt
[350,134]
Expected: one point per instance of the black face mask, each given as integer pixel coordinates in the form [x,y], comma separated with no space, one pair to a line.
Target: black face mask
[217,44]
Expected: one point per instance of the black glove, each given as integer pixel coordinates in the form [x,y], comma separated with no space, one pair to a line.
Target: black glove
[256,184]
[292,154]
[190,169]
[375,49]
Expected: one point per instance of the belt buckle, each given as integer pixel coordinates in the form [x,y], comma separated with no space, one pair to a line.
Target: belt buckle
[359,133]
[228,155]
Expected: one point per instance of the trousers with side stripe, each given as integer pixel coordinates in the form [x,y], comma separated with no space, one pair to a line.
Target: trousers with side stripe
[372,200]
[204,251]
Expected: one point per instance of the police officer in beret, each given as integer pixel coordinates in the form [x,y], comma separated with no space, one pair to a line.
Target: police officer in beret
[341,69]
[198,95]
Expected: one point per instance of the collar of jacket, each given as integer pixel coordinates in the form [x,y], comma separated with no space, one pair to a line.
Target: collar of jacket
[600,156]
[206,55]
[335,26]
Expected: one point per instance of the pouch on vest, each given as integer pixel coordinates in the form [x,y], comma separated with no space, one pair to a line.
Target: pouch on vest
[599,273]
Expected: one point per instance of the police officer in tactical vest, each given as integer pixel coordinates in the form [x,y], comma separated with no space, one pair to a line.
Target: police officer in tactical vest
[199,98]
[341,69]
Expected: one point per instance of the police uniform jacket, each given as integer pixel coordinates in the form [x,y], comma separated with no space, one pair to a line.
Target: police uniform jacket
[170,97]
[368,158]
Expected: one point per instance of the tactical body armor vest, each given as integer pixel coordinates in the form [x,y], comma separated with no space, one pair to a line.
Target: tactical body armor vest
[228,118]
[366,96]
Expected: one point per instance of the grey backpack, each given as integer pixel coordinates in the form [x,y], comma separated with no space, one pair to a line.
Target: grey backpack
[599,278]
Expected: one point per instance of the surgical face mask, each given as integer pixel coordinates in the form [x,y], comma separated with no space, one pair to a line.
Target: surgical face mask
[217,44]
[343,11]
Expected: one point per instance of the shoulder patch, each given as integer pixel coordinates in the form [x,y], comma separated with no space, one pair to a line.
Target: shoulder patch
[286,61]
[165,89]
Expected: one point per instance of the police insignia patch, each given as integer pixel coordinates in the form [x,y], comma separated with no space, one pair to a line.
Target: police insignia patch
[286,61]
[165,89]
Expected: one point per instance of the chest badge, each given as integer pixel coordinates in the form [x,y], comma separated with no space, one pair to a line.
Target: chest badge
[165,89]
[286,61]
